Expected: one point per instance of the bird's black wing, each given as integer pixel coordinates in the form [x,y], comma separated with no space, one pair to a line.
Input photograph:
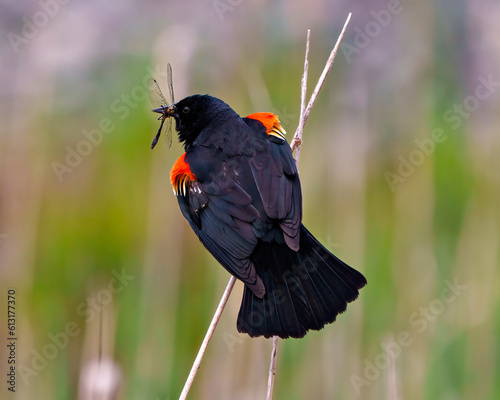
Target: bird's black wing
[277,180]
[221,214]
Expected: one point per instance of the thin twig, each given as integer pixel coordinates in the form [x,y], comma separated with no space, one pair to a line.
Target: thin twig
[298,134]
[297,138]
[296,142]
[296,145]
[272,369]
[208,336]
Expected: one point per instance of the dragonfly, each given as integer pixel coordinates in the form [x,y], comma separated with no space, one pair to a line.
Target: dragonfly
[161,106]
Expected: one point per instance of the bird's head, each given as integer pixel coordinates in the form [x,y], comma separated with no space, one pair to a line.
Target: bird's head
[195,113]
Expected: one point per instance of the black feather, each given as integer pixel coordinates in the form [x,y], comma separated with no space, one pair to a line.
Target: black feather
[304,290]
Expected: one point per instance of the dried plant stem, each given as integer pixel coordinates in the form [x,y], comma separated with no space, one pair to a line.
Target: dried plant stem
[272,369]
[297,138]
[208,336]
[296,144]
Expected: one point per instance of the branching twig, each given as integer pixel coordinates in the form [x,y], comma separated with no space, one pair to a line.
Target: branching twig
[297,138]
[208,336]
[296,144]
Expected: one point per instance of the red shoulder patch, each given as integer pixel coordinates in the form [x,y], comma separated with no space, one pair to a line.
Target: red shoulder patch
[271,122]
[180,174]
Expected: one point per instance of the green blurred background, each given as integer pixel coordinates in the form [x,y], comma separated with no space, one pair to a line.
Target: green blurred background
[400,177]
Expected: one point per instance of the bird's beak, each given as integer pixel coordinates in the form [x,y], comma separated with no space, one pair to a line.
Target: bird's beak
[167,111]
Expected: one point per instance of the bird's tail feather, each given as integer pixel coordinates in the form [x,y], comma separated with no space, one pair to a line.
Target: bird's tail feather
[304,290]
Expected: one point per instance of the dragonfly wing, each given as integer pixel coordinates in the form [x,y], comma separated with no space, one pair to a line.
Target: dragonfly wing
[155,95]
[170,83]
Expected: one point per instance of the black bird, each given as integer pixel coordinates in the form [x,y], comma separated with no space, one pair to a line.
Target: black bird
[238,186]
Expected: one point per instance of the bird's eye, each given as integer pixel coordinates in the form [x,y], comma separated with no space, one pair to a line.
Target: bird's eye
[185,110]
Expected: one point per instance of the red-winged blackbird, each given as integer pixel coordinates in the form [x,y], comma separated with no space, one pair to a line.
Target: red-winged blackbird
[238,186]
